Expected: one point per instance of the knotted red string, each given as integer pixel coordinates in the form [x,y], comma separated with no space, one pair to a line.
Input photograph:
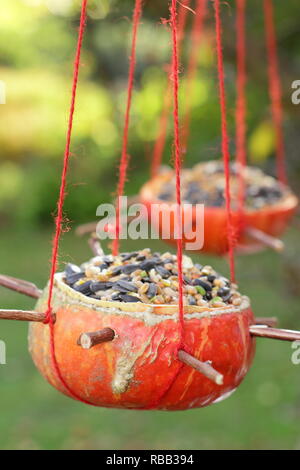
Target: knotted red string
[60,205]
[225,139]
[175,73]
[159,145]
[241,105]
[177,155]
[196,36]
[160,142]
[275,91]
[124,156]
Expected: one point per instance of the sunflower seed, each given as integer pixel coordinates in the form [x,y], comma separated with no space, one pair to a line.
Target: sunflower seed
[205,285]
[128,256]
[98,285]
[125,286]
[130,268]
[162,271]
[129,298]
[152,290]
[83,288]
[150,264]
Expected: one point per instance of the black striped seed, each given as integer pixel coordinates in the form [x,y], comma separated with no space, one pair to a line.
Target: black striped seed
[163,272]
[227,297]
[125,286]
[100,285]
[150,264]
[73,273]
[204,284]
[128,256]
[223,291]
[129,298]
[152,290]
[74,278]
[83,288]
[129,268]
[72,269]
[116,297]
[117,270]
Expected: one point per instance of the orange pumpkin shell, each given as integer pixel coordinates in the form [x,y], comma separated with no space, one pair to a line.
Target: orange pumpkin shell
[132,370]
[273,220]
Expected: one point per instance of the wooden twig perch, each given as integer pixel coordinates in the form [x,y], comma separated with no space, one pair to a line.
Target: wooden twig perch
[274,333]
[267,321]
[88,340]
[18,285]
[202,367]
[91,227]
[22,315]
[95,246]
[86,228]
[265,239]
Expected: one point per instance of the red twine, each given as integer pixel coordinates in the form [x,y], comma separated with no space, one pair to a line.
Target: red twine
[60,204]
[225,139]
[175,79]
[160,143]
[161,139]
[175,67]
[241,104]
[241,84]
[196,36]
[241,110]
[125,157]
[275,91]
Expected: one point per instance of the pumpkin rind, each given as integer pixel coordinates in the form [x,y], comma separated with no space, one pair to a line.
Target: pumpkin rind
[132,370]
[272,220]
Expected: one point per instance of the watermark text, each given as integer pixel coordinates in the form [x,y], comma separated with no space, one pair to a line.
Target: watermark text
[296,354]
[153,221]
[296,93]
[2,353]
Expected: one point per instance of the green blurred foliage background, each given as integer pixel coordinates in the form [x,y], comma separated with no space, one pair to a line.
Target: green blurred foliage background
[37,43]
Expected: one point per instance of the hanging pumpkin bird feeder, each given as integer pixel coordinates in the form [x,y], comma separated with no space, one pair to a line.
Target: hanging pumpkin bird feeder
[142,330]
[263,206]
[125,353]
[267,209]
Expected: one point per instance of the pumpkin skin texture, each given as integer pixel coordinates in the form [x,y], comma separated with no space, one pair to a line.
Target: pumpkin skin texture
[273,220]
[135,368]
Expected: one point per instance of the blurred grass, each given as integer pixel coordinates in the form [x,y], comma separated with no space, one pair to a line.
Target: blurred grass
[264,412]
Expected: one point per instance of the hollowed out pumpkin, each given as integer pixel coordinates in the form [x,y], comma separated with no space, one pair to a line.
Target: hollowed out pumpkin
[272,220]
[132,370]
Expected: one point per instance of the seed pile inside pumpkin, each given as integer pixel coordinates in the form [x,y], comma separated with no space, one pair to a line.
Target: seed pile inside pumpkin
[205,184]
[150,278]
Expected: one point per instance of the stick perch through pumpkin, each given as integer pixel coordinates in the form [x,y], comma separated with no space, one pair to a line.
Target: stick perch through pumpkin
[264,327]
[21,286]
